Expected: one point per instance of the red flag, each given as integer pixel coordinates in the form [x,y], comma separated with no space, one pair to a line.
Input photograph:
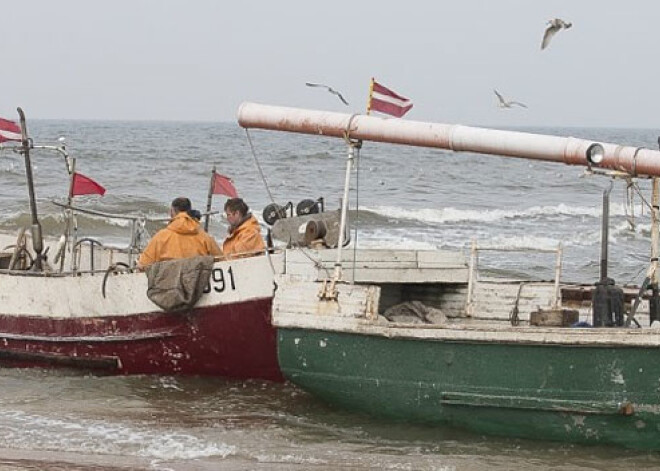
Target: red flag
[223,186]
[9,131]
[83,185]
[386,101]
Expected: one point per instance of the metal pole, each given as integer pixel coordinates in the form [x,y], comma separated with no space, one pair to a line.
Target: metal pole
[37,239]
[558,276]
[571,151]
[605,232]
[68,211]
[655,233]
[344,208]
[328,290]
[469,305]
[209,199]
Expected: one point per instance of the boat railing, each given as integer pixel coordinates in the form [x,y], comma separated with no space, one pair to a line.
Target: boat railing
[138,237]
[473,271]
[137,241]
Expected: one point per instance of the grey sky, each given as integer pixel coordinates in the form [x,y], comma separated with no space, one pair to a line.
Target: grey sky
[199,59]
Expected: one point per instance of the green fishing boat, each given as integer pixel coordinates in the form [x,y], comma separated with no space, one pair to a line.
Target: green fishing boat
[425,336]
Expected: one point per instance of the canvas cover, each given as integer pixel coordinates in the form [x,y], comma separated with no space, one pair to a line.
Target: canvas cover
[175,285]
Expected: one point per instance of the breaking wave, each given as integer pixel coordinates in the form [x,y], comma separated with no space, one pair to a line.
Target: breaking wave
[452,215]
[83,435]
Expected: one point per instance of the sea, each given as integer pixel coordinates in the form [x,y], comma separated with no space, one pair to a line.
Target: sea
[400,197]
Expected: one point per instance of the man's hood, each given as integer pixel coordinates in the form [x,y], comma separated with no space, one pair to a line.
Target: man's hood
[183,224]
[248,223]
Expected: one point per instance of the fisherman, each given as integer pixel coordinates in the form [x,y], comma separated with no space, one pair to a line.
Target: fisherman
[244,237]
[182,238]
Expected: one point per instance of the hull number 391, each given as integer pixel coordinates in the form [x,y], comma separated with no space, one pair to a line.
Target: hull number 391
[221,280]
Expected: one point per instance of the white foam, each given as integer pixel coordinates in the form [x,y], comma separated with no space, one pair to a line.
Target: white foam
[83,435]
[450,214]
[392,241]
[294,459]
[523,242]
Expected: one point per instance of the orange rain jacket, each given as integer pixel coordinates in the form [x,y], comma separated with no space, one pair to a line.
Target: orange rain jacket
[244,240]
[182,238]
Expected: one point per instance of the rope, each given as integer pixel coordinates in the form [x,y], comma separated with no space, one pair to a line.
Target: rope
[256,161]
[641,196]
[513,315]
[634,167]
[630,204]
[357,144]
[317,264]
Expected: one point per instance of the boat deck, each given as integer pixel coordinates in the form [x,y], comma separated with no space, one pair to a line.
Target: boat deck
[484,309]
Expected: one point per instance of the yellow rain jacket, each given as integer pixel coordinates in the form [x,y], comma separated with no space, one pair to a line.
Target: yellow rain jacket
[182,238]
[245,240]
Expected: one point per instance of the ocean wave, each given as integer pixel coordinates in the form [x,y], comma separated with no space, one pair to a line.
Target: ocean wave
[452,215]
[82,435]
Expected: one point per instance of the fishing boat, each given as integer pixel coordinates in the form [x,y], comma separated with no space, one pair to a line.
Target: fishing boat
[425,336]
[69,300]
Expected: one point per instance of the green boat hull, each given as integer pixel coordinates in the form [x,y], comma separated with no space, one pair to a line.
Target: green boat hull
[577,394]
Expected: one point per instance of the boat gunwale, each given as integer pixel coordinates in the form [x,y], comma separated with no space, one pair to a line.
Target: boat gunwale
[523,335]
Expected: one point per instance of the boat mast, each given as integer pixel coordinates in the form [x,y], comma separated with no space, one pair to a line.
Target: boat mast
[37,239]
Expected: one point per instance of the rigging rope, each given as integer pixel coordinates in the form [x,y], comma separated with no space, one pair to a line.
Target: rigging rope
[317,263]
[256,161]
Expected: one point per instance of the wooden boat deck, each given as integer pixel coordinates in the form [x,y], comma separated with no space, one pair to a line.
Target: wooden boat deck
[439,279]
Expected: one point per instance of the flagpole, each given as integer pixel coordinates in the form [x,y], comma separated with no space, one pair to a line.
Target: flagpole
[69,211]
[371,92]
[209,199]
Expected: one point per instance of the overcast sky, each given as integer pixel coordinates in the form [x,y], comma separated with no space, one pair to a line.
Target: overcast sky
[199,59]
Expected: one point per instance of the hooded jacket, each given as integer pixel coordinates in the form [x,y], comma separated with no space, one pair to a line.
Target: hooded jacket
[182,238]
[244,240]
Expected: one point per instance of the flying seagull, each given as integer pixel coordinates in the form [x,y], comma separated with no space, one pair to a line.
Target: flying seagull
[507,104]
[330,89]
[554,25]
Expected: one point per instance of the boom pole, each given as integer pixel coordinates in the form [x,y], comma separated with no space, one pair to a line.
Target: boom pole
[635,161]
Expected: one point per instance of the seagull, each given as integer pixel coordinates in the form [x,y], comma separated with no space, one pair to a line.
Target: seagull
[330,89]
[507,104]
[554,25]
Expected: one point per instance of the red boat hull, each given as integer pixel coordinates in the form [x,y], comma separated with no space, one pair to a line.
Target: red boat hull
[234,340]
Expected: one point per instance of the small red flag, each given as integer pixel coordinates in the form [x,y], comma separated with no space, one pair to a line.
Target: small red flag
[223,186]
[9,131]
[387,101]
[83,185]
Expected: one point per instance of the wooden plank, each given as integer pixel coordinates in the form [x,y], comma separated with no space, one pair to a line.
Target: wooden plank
[441,259]
[497,300]
[295,297]
[403,275]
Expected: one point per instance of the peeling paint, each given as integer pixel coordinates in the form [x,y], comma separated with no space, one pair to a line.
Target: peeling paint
[578,420]
[617,377]
[591,433]
[296,340]
[640,424]
[323,343]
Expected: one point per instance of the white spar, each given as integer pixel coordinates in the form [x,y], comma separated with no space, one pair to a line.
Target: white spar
[455,137]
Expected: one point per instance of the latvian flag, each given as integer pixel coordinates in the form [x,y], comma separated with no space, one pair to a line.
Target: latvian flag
[9,131]
[386,101]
